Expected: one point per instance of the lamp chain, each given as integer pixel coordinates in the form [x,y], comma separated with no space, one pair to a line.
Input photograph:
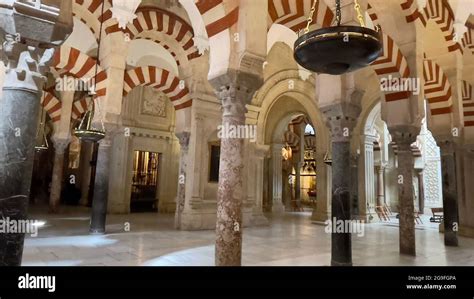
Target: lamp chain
[311,15]
[338,12]
[359,13]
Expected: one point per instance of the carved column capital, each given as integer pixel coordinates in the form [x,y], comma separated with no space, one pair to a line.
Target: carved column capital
[341,119]
[183,138]
[235,89]
[446,145]
[25,65]
[404,136]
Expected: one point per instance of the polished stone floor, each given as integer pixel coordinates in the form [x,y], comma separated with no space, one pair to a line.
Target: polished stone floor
[290,239]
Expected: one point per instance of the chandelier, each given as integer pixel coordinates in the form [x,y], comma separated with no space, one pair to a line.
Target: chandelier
[337,49]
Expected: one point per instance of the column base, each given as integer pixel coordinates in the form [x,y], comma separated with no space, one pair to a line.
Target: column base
[408,251]
[97,231]
[451,239]
[340,264]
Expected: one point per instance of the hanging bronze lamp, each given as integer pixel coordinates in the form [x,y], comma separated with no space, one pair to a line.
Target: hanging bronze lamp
[338,49]
[85,131]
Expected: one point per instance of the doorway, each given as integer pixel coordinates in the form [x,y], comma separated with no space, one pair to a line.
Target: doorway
[145,182]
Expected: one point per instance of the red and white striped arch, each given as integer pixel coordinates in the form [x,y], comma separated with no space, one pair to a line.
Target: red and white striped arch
[80,107]
[218,17]
[468,104]
[90,13]
[437,89]
[51,105]
[72,62]
[412,13]
[152,23]
[440,12]
[468,39]
[392,63]
[294,13]
[161,80]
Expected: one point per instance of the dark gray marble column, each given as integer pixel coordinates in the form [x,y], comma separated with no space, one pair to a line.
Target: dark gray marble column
[19,108]
[354,179]
[27,35]
[183,138]
[101,182]
[404,137]
[57,177]
[450,198]
[234,90]
[341,119]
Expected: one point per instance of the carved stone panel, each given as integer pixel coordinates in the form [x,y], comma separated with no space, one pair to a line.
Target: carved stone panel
[154,103]
[432,173]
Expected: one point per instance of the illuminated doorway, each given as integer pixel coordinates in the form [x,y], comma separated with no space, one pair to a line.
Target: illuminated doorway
[145,182]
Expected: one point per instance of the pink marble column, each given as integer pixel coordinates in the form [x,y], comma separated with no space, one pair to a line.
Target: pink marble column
[404,137]
[234,91]
[181,195]
[60,146]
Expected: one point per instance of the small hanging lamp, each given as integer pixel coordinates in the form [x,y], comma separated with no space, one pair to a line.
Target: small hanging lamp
[42,145]
[337,49]
[85,131]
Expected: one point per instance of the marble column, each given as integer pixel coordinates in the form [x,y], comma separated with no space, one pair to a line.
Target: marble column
[421,191]
[277,184]
[367,201]
[297,183]
[380,185]
[19,108]
[404,137]
[101,182]
[450,199]
[354,184]
[60,146]
[235,89]
[341,119]
[85,168]
[286,193]
[183,138]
